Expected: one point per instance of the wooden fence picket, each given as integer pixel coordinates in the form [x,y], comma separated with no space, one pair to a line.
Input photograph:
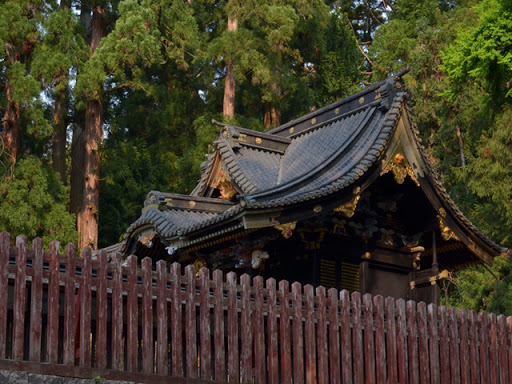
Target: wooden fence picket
[52,329]
[503,338]
[5,242]
[465,364]
[272,335]
[412,343]
[493,349]
[391,341]
[176,321]
[401,342]
[36,300]
[162,354]
[233,355]
[117,313]
[190,320]
[101,312]
[258,323]
[346,339]
[19,298]
[433,347]
[334,337]
[69,306]
[218,333]
[204,325]
[298,340]
[380,343]
[85,309]
[284,335]
[216,329]
[132,309]
[444,346]
[453,334]
[369,340]
[322,337]
[357,338]
[309,332]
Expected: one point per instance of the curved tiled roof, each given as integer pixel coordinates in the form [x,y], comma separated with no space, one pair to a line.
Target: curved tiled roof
[308,158]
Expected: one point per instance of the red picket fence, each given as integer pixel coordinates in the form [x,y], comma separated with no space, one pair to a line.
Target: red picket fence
[80,317]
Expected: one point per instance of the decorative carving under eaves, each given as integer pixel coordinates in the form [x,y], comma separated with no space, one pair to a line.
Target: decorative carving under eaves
[198,264]
[286,229]
[226,189]
[401,169]
[349,208]
[312,237]
[446,232]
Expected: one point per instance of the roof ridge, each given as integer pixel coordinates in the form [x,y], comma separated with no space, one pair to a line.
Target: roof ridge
[228,155]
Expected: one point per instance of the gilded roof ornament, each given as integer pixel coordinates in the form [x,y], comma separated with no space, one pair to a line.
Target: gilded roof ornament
[286,229]
[446,232]
[401,169]
[349,208]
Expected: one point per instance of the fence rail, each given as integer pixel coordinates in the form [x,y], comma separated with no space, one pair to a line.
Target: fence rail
[121,316]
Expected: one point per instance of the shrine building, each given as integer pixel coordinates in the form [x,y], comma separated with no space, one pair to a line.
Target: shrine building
[342,197]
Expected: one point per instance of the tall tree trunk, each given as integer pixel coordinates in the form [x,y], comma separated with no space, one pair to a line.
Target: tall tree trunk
[59,134]
[12,128]
[89,213]
[272,117]
[77,169]
[229,83]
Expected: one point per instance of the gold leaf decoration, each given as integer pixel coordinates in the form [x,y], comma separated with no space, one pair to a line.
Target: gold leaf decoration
[198,264]
[401,169]
[349,208]
[446,232]
[286,229]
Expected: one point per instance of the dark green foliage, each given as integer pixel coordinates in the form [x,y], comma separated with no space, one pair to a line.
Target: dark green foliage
[34,202]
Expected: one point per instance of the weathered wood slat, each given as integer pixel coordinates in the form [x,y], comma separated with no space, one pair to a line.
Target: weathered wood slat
[259,331]
[52,330]
[401,343]
[117,312]
[147,317]
[509,331]
[218,321]
[334,336]
[5,239]
[503,337]
[357,339]
[454,345]
[162,353]
[204,325]
[85,309]
[465,365]
[412,343]
[132,314]
[176,321]
[391,341]
[246,334]
[484,343]
[423,343]
[101,312]
[309,331]
[191,324]
[233,356]
[380,343]
[493,349]
[473,350]
[36,301]
[444,347]
[369,341]
[323,357]
[433,347]
[298,336]
[272,336]
[19,298]
[284,324]
[69,306]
